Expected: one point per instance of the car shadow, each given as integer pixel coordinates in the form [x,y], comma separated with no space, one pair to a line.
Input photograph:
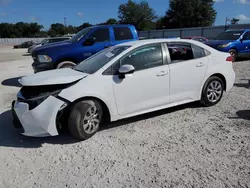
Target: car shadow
[11,137]
[242,59]
[242,114]
[12,82]
[27,54]
[245,85]
[150,115]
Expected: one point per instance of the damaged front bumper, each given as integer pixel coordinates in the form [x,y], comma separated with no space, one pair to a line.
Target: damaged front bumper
[40,121]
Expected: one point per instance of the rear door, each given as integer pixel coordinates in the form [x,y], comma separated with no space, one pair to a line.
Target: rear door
[187,70]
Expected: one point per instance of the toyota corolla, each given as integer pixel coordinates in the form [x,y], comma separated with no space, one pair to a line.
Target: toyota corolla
[120,82]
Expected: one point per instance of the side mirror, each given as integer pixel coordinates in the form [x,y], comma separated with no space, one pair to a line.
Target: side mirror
[89,42]
[126,69]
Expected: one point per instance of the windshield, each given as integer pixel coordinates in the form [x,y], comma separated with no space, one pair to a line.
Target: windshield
[229,35]
[97,61]
[80,34]
[44,41]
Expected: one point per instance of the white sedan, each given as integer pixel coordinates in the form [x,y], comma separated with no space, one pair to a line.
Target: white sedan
[120,82]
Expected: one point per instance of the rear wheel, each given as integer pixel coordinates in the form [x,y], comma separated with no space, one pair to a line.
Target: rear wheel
[212,91]
[66,64]
[233,53]
[85,118]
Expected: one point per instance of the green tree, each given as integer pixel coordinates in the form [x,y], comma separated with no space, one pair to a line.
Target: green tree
[20,29]
[139,14]
[71,29]
[84,25]
[161,23]
[57,29]
[191,13]
[235,21]
[34,28]
[111,21]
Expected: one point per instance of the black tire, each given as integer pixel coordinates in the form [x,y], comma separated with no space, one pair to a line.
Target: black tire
[205,100]
[65,64]
[76,119]
[234,54]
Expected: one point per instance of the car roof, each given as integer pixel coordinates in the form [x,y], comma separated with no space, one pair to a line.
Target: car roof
[190,37]
[113,25]
[138,43]
[238,30]
[58,37]
[151,41]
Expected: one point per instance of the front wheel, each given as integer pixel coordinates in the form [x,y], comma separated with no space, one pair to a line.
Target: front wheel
[65,64]
[85,118]
[233,53]
[212,91]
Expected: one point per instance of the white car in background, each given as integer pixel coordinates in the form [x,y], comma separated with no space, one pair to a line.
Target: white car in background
[119,82]
[48,41]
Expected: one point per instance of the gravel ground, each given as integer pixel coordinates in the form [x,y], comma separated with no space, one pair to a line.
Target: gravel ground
[185,146]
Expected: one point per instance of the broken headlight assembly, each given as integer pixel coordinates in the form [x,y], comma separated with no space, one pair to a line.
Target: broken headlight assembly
[35,95]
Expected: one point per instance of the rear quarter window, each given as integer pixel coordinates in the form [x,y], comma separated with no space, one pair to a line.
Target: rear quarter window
[198,52]
[123,33]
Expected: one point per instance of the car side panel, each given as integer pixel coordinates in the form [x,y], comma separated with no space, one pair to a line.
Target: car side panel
[96,85]
[219,65]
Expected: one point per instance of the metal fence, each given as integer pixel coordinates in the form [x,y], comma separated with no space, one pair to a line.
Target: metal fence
[12,41]
[208,32]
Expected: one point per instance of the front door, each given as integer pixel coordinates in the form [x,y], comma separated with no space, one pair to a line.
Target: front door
[187,71]
[246,42]
[148,87]
[102,40]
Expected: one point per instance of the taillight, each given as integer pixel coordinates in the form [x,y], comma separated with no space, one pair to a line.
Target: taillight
[230,58]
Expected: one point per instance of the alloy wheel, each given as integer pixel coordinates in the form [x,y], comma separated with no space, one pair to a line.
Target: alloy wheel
[214,91]
[91,120]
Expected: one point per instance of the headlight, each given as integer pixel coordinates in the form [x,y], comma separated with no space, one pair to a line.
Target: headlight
[44,58]
[223,45]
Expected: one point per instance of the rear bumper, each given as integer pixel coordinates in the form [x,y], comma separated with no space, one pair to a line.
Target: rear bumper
[39,67]
[39,122]
[230,80]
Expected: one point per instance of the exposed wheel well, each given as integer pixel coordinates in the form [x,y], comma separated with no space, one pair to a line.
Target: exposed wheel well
[106,112]
[222,78]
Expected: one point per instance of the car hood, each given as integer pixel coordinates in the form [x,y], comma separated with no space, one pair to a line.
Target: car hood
[56,45]
[35,46]
[217,42]
[52,77]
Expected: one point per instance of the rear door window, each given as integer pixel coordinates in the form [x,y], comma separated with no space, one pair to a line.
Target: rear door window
[123,33]
[198,52]
[101,35]
[180,52]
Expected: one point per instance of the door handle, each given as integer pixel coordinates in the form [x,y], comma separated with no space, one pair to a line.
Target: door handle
[200,64]
[162,73]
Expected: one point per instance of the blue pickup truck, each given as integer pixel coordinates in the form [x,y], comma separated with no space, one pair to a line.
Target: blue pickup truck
[81,46]
[236,42]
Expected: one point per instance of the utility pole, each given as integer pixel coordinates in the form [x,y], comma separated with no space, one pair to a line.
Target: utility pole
[227,19]
[65,18]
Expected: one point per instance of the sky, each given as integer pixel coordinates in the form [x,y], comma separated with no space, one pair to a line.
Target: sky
[46,12]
